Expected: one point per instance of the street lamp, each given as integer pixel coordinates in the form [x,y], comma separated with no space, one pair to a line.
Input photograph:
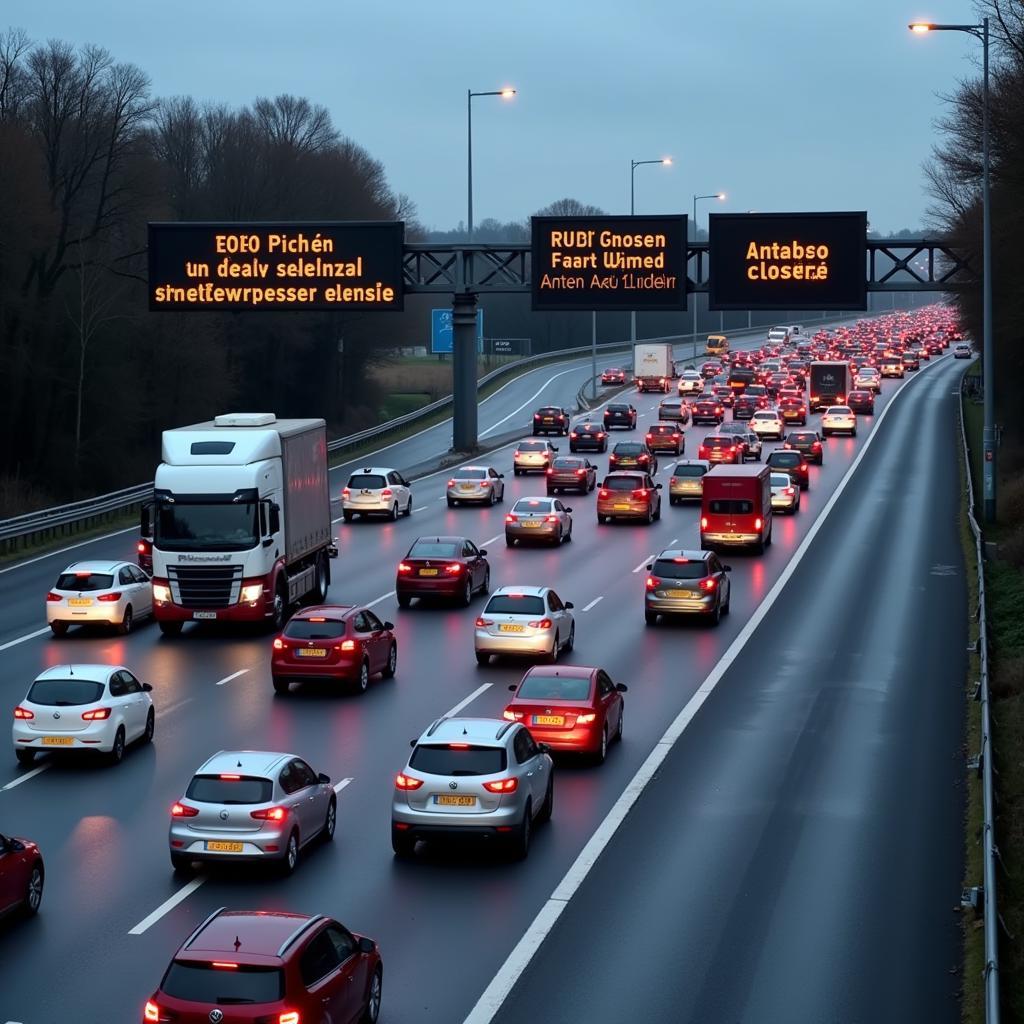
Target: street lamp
[987,354]
[665,161]
[709,195]
[505,94]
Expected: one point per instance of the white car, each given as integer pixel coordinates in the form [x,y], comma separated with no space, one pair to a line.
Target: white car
[867,378]
[115,594]
[375,490]
[961,350]
[524,620]
[838,419]
[690,383]
[483,484]
[532,455]
[99,708]
[767,423]
[785,494]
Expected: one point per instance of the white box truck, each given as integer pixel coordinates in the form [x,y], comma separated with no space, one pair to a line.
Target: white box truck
[652,366]
[241,520]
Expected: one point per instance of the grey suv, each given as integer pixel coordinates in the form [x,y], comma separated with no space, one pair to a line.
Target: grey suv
[472,776]
[752,441]
[251,805]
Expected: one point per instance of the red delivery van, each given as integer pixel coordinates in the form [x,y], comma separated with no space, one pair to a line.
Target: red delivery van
[736,507]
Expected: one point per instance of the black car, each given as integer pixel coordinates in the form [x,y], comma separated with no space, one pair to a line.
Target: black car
[792,463]
[551,419]
[808,442]
[633,455]
[619,414]
[588,437]
[861,402]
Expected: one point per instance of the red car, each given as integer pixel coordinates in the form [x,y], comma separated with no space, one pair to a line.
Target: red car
[613,375]
[270,967]
[450,567]
[793,410]
[707,409]
[569,707]
[721,448]
[21,876]
[711,368]
[344,643]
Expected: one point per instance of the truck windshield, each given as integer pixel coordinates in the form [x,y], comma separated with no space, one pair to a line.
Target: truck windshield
[229,527]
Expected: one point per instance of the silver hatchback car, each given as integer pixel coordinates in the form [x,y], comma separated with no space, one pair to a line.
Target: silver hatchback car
[539,519]
[472,776]
[482,484]
[524,620]
[251,805]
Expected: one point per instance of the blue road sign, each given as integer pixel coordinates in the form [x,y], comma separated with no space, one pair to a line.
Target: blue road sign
[441,330]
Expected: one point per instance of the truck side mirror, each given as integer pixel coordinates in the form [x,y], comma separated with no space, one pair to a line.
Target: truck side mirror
[146,520]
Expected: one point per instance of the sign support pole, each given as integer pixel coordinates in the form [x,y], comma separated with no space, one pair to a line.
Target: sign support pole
[464,378]
[593,354]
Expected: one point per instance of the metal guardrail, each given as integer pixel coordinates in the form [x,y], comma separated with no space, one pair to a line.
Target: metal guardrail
[990,851]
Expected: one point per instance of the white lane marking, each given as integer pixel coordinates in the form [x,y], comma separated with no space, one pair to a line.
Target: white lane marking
[169,904]
[383,597]
[24,778]
[422,508]
[587,608]
[339,786]
[515,412]
[70,547]
[444,497]
[234,675]
[491,540]
[22,639]
[467,700]
[673,542]
[518,960]
[643,564]
[173,707]
[338,520]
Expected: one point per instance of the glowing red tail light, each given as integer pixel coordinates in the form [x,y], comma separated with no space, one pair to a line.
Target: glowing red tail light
[641,493]
[512,716]
[702,451]
[580,472]
[502,785]
[451,483]
[404,567]
[573,435]
[96,715]
[51,596]
[24,713]
[453,569]
[600,435]
[289,1017]
[481,621]
[789,491]
[652,582]
[816,446]
[588,719]
[270,814]
[278,644]
[406,782]
[540,624]
[151,1012]
[708,584]
[115,596]
[650,437]
[224,965]
[348,645]
[549,470]
[511,518]
[703,522]
[757,523]
[184,811]
[142,547]
[386,493]
[603,493]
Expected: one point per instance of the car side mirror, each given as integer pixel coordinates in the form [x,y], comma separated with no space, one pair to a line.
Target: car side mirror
[567,509]
[569,604]
[726,568]
[657,487]
[389,625]
[513,687]
[554,447]
[621,687]
[366,945]
[501,476]
[649,566]
[147,687]
[483,551]
[324,778]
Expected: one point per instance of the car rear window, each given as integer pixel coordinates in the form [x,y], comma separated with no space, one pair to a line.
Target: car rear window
[784,459]
[435,549]
[618,408]
[801,438]
[367,481]
[780,479]
[451,759]
[764,414]
[567,464]
[515,604]
[216,789]
[628,448]
[549,410]
[663,428]
[469,474]
[84,581]
[717,442]
[312,629]
[60,693]
[532,446]
[680,569]
[535,505]
[555,688]
[730,507]
[623,483]
[689,471]
[204,983]
[839,410]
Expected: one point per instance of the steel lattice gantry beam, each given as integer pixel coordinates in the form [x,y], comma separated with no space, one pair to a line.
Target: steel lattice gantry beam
[892,265]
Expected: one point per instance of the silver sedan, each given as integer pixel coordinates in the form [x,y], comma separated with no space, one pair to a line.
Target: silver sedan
[544,519]
[478,484]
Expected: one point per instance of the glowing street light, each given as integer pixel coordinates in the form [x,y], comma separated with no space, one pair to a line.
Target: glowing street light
[505,93]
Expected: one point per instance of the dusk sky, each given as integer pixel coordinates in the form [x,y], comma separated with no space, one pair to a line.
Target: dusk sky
[784,106]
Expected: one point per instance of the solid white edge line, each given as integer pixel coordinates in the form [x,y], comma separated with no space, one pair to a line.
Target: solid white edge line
[234,675]
[383,597]
[169,904]
[24,778]
[339,786]
[467,700]
[70,547]
[587,608]
[643,564]
[173,707]
[22,639]
[515,412]
[519,959]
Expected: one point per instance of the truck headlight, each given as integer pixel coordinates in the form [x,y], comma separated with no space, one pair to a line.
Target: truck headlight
[161,592]
[252,592]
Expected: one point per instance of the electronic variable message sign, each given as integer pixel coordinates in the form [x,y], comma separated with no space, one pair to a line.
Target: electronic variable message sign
[787,261]
[606,263]
[333,266]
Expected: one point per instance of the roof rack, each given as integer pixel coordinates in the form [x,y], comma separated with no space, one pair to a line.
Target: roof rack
[192,938]
[299,932]
[433,728]
[503,728]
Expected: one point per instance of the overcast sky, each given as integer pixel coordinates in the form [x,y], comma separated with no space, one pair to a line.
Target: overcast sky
[788,105]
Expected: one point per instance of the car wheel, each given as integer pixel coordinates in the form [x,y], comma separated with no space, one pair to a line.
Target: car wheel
[330,822]
[650,618]
[124,627]
[279,611]
[451,503]
[181,864]
[516,471]
[59,629]
[280,685]
[403,844]
[33,890]
[373,997]
[618,728]
[483,658]
[853,433]
[291,854]
[521,842]
[117,750]
[25,757]
[393,513]
[673,501]
[571,642]
[493,496]
[601,518]
[650,515]
[408,508]
[551,492]
[552,655]
[501,493]
[485,587]
[568,536]
[147,735]
[560,537]
[392,663]
[363,679]
[467,593]
[404,600]
[657,511]
[602,748]
[170,628]
[544,814]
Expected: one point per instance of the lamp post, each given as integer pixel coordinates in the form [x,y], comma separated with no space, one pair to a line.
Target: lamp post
[710,195]
[505,94]
[665,161]
[980,32]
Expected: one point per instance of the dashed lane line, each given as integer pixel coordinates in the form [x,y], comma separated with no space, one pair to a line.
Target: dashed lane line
[23,639]
[234,675]
[383,597]
[592,603]
[467,700]
[168,905]
[24,778]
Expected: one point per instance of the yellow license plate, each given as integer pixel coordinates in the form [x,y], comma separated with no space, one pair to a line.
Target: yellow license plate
[428,572]
[466,487]
[219,847]
[531,524]
[625,507]
[312,652]
[548,419]
[58,741]
[447,800]
[80,602]
[549,720]
[510,627]
[678,593]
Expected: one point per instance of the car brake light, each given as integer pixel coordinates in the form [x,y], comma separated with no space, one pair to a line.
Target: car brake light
[152,1011]
[386,493]
[224,965]
[278,644]
[453,569]
[348,645]
[270,814]
[587,719]
[24,713]
[184,811]
[551,519]
[345,492]
[141,547]
[510,518]
[289,1017]
[512,716]
[51,596]
[602,493]
[540,624]
[502,786]
[451,483]
[641,493]
[703,522]
[574,434]
[96,715]
[600,435]
[814,398]
[580,472]
[536,415]
[115,596]
[407,782]
[788,492]
[549,470]
[702,452]
[650,437]
[404,567]
[757,523]
[652,582]
[816,446]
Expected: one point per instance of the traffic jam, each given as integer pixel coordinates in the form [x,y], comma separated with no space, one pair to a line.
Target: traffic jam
[248,534]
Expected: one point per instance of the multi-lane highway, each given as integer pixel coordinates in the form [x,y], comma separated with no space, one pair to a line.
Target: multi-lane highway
[795,856]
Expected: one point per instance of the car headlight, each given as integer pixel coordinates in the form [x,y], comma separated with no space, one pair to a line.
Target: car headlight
[161,592]
[252,592]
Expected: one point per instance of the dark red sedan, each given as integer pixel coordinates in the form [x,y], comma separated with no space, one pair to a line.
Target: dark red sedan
[340,643]
[861,402]
[21,876]
[446,567]
[569,707]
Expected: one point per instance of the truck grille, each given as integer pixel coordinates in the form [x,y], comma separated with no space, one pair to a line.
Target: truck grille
[206,586]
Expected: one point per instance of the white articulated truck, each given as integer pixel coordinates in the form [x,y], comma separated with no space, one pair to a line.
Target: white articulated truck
[241,521]
[652,366]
